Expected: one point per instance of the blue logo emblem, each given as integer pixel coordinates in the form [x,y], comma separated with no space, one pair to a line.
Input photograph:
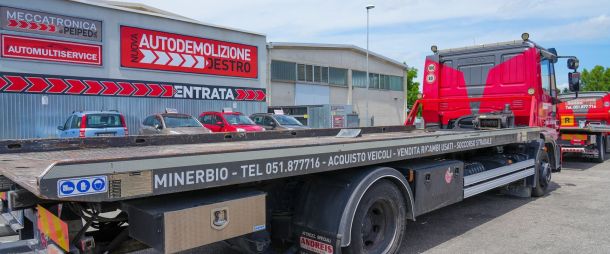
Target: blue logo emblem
[83,185]
[98,184]
[66,188]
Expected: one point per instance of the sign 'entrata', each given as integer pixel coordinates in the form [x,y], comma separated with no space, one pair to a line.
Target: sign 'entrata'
[22,47]
[149,49]
[65,85]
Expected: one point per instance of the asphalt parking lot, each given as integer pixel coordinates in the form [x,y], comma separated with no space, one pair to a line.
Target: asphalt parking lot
[573,218]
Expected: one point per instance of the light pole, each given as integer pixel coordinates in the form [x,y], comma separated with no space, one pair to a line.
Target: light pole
[368,79]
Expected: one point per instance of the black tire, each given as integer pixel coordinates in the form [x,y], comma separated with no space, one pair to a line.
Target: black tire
[601,149]
[380,220]
[606,139]
[543,168]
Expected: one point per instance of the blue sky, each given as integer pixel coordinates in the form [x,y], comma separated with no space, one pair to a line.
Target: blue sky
[405,29]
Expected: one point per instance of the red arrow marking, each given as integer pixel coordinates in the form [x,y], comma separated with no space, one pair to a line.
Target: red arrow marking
[77,86]
[126,88]
[38,85]
[156,90]
[51,28]
[23,24]
[57,85]
[260,95]
[169,91]
[17,84]
[2,83]
[241,94]
[111,88]
[94,87]
[43,27]
[251,94]
[142,89]
[12,23]
[33,26]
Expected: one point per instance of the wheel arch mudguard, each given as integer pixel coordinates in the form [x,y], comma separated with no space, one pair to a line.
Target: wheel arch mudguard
[328,202]
[554,152]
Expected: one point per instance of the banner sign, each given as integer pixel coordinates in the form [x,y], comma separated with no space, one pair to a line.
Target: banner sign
[50,24]
[51,84]
[21,47]
[148,49]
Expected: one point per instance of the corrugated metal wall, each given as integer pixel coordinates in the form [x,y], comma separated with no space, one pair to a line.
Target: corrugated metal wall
[25,116]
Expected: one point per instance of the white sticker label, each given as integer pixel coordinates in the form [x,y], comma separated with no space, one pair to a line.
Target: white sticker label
[82,186]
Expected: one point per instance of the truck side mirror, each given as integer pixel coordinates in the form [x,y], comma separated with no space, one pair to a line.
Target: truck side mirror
[573,63]
[61,128]
[574,81]
[219,123]
[157,126]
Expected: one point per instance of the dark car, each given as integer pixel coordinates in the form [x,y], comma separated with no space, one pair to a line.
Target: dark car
[271,121]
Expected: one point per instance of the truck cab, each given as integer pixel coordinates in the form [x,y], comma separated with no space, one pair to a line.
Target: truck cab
[499,85]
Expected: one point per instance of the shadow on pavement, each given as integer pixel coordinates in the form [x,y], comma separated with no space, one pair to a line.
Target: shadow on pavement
[578,163]
[439,226]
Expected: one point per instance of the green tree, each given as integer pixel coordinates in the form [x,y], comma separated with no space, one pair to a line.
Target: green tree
[412,86]
[598,79]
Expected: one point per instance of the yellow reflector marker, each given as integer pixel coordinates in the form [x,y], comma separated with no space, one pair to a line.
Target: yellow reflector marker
[567,120]
[53,227]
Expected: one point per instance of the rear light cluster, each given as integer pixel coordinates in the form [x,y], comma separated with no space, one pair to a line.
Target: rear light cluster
[83,125]
[124,123]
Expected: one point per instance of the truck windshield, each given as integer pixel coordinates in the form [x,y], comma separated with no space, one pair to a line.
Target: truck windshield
[287,120]
[238,119]
[180,121]
[103,121]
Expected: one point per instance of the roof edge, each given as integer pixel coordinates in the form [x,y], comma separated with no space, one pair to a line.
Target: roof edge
[352,47]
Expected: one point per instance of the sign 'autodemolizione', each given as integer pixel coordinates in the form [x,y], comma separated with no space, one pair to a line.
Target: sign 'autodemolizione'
[21,47]
[50,24]
[149,49]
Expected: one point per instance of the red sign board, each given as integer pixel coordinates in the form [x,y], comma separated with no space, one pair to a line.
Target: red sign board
[21,47]
[148,49]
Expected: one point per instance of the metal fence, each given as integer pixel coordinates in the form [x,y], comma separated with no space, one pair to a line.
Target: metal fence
[26,116]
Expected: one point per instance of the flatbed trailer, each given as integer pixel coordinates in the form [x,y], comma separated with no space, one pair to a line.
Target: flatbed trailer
[318,191]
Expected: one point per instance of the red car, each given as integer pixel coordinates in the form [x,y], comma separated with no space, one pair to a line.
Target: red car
[228,122]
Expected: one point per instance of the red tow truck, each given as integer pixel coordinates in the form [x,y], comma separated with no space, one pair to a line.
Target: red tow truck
[307,191]
[584,119]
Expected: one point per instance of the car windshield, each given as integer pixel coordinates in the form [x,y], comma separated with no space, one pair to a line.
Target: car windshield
[180,121]
[103,121]
[238,119]
[287,120]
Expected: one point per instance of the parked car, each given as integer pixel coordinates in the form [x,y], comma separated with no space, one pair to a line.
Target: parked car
[271,121]
[228,122]
[83,124]
[171,123]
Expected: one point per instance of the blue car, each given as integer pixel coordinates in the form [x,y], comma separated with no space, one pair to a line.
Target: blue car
[86,124]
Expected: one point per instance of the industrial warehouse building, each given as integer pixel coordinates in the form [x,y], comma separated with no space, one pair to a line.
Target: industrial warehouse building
[306,78]
[60,56]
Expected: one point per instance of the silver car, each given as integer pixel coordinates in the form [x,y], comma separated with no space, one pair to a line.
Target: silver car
[171,124]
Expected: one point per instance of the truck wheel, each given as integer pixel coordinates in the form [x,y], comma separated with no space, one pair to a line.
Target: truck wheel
[543,168]
[601,151]
[380,220]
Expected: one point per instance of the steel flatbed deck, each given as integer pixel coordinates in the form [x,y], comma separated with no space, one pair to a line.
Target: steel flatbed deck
[138,170]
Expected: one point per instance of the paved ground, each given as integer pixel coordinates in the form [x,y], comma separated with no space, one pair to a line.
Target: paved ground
[573,218]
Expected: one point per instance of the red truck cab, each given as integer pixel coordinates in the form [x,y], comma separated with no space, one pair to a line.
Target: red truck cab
[499,85]
[228,122]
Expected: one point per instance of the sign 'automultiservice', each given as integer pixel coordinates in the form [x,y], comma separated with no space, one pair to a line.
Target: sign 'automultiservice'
[21,47]
[149,49]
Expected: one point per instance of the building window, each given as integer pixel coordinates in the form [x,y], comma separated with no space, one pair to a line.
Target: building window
[309,73]
[396,83]
[283,71]
[317,74]
[358,78]
[337,76]
[373,80]
[324,75]
[301,73]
